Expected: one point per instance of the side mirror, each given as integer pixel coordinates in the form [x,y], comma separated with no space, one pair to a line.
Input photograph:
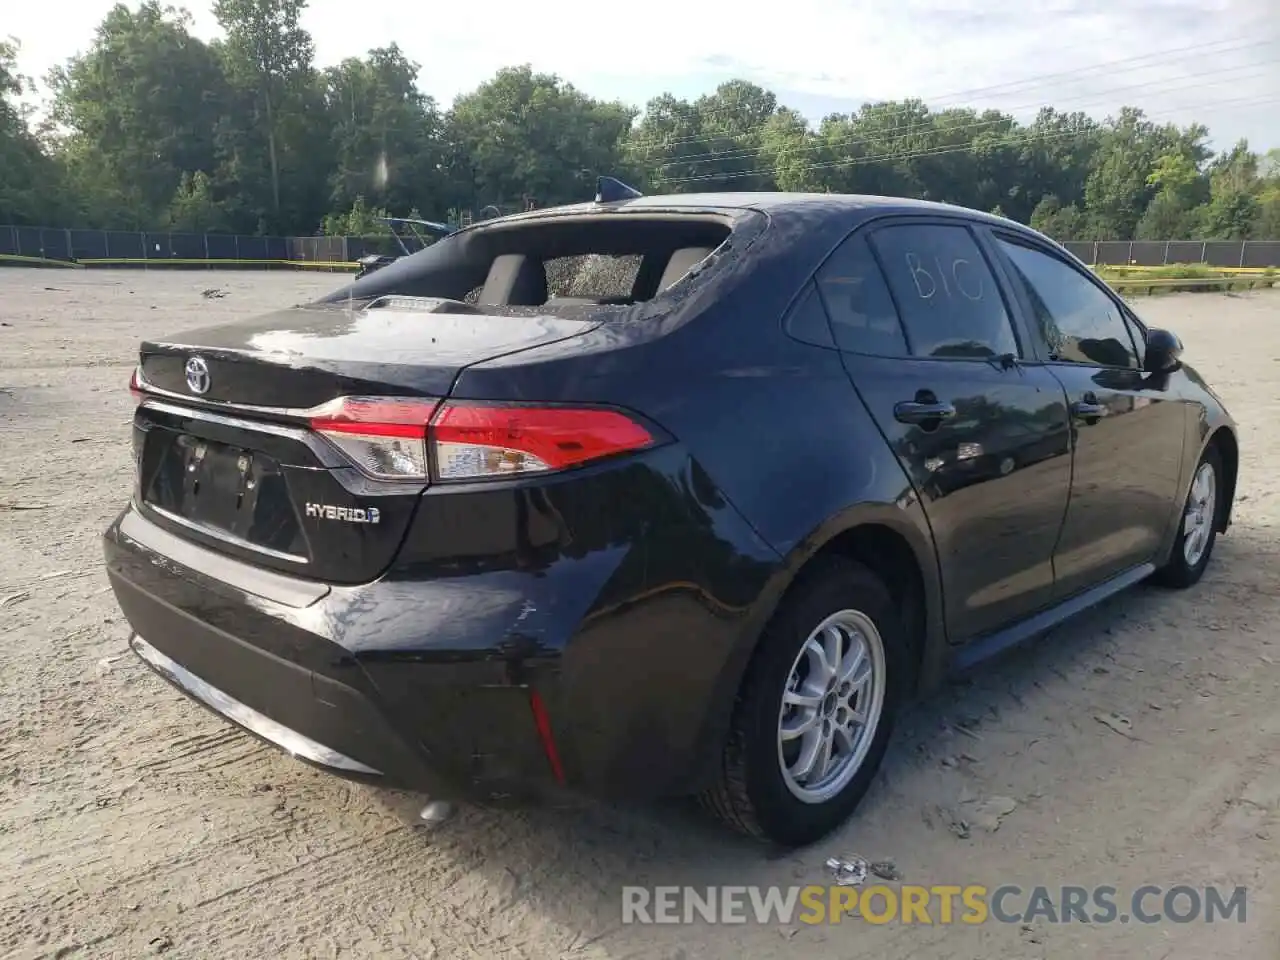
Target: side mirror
[1164,352]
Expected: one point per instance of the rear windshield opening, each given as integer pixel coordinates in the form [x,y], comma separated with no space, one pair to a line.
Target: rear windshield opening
[566,262]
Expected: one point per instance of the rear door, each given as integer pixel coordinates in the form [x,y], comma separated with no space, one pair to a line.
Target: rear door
[981,429]
[1128,430]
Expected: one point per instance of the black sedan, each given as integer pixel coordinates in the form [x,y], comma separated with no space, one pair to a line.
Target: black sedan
[656,496]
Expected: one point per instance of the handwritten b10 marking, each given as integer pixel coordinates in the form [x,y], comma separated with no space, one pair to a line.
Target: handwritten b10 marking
[921,276]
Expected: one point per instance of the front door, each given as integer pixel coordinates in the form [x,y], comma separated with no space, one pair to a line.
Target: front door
[1127,430]
[934,353]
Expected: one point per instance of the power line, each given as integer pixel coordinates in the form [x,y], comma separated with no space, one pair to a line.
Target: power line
[1033,139]
[856,138]
[944,150]
[1038,80]
[938,151]
[1243,42]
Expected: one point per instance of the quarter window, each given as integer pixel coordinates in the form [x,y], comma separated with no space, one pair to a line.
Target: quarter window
[863,317]
[947,295]
[1079,322]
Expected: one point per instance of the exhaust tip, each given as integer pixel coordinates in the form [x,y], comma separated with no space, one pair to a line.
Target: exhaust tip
[435,812]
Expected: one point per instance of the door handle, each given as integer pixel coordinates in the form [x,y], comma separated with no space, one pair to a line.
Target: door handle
[916,411]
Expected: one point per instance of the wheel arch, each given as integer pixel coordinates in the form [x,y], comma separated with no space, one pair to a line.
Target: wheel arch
[1223,439]
[899,548]
[889,541]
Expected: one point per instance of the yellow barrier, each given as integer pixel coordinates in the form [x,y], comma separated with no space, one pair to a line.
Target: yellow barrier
[179,261]
[1187,281]
[174,261]
[1229,274]
[1235,271]
[15,258]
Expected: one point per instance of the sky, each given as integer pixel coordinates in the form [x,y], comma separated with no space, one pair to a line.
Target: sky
[1215,61]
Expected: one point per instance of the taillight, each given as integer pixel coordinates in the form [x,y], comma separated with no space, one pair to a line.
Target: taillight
[475,441]
[385,436]
[400,439]
[135,387]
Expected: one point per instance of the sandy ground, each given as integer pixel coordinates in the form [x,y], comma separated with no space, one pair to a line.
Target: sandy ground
[135,823]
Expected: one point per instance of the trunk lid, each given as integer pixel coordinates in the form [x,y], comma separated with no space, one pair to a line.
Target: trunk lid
[304,356]
[235,466]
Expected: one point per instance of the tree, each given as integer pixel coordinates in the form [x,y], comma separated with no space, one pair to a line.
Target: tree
[386,135]
[359,221]
[138,111]
[530,135]
[1234,207]
[153,129]
[786,145]
[730,124]
[1062,223]
[269,56]
[193,208]
[28,179]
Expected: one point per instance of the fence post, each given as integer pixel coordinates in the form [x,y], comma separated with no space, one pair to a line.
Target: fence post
[71,254]
[1243,244]
[106,244]
[1093,259]
[1166,253]
[1204,251]
[207,264]
[142,241]
[346,255]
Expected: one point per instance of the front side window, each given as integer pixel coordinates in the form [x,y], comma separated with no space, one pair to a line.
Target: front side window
[1079,322]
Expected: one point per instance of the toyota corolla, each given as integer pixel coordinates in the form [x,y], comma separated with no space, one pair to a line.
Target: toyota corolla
[655,496]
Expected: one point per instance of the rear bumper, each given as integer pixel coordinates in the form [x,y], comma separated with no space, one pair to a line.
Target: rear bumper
[271,665]
[581,676]
[257,723]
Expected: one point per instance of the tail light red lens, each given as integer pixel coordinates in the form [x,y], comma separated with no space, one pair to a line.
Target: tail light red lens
[135,386]
[474,441]
[405,439]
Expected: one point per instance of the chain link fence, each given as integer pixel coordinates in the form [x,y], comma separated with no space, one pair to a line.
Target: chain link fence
[130,248]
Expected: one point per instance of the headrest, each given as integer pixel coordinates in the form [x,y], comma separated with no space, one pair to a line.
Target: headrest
[515,279]
[681,262]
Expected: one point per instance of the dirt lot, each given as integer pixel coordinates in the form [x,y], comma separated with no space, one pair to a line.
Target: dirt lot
[134,823]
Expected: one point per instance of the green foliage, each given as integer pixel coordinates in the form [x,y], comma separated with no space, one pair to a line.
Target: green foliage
[359,221]
[1062,223]
[1200,277]
[140,110]
[386,136]
[29,179]
[151,128]
[193,208]
[525,135]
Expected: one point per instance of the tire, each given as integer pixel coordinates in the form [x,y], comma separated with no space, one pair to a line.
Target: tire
[1188,558]
[753,794]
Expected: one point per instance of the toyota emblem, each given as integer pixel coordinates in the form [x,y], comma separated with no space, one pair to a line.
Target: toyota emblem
[198,380]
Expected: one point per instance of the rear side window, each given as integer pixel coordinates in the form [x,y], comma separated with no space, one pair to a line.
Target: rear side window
[949,299]
[863,318]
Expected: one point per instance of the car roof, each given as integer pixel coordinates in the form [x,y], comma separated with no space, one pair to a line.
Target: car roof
[843,205]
